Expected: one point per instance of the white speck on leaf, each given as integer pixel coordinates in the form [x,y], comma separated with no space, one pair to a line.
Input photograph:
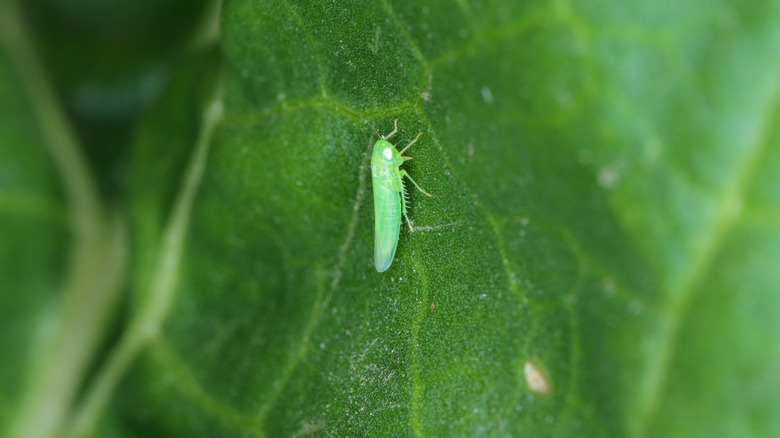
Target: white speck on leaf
[487,95]
[636,307]
[651,150]
[535,379]
[608,176]
[609,287]
[564,98]
[584,156]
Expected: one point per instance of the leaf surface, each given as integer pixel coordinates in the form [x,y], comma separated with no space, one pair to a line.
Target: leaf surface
[599,257]
[603,201]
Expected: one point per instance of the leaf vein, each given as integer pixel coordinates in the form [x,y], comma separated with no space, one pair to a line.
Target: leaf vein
[511,276]
[315,46]
[729,210]
[182,374]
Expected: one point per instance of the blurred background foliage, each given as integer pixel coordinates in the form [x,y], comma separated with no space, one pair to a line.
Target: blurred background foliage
[186,219]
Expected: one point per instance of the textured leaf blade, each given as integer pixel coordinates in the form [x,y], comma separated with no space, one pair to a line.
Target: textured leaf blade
[604,209]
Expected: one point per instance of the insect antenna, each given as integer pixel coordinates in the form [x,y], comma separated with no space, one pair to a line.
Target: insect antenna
[372,126]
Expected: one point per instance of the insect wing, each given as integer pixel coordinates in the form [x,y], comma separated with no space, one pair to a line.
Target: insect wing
[387,221]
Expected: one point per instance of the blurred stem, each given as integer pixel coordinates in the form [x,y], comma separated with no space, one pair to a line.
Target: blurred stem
[85,213]
[158,295]
[148,319]
[97,261]
[208,33]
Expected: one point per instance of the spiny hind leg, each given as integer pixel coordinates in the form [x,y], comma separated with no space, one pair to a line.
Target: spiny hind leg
[403,173]
[403,207]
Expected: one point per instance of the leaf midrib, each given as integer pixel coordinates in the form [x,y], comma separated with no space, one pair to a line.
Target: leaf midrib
[729,210]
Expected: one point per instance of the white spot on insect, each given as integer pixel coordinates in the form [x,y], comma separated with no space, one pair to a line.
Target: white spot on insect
[388,154]
[535,379]
[487,95]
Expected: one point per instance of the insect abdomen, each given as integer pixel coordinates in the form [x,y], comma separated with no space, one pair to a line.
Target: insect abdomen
[387,221]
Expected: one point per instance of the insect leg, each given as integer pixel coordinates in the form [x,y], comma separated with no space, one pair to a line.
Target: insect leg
[403,206]
[410,144]
[395,129]
[403,173]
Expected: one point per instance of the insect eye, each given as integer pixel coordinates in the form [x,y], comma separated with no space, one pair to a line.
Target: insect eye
[388,154]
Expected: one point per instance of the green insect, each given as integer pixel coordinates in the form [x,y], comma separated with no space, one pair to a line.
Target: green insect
[389,197]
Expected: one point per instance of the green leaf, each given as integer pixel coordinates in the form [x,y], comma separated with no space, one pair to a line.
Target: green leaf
[600,257]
